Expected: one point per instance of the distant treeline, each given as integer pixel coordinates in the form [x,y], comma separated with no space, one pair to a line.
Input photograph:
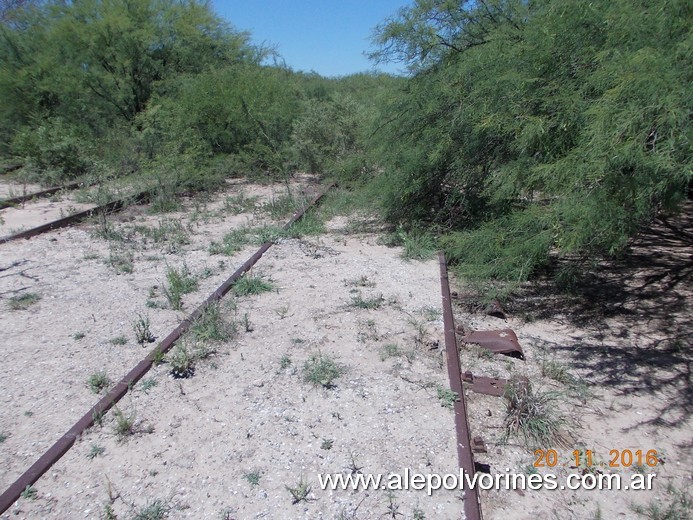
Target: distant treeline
[525,130]
[164,88]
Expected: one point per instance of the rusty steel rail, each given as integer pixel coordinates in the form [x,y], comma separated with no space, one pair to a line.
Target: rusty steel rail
[55,452]
[6,203]
[465,457]
[111,207]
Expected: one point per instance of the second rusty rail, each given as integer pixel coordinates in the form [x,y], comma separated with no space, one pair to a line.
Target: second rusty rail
[465,456]
[62,445]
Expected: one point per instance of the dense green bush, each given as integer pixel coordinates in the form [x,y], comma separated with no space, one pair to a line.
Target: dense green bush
[539,127]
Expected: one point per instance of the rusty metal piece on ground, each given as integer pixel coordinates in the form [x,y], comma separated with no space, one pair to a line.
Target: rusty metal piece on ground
[55,452]
[485,385]
[6,203]
[111,207]
[465,457]
[478,445]
[497,341]
[496,310]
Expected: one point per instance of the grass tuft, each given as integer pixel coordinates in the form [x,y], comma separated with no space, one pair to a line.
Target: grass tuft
[211,326]
[156,510]
[232,243]
[124,424]
[23,302]
[251,285]
[300,492]
[530,414]
[182,361]
[178,283]
[679,507]
[322,370]
[98,381]
[141,327]
[367,303]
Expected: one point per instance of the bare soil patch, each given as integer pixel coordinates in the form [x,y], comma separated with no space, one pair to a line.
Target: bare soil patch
[249,426]
[248,433]
[616,358]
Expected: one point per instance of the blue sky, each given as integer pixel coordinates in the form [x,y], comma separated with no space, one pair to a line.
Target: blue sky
[327,36]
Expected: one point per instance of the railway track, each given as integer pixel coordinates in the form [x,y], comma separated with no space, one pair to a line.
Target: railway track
[108,208]
[60,447]
[465,444]
[20,199]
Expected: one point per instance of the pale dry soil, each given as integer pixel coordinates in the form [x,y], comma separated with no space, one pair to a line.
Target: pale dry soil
[63,203]
[616,357]
[11,189]
[229,441]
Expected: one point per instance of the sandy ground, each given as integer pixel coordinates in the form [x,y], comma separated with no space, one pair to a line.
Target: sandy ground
[620,348]
[248,410]
[10,190]
[232,439]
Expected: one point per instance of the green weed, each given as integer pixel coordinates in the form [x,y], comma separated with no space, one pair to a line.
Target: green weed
[251,285]
[322,370]
[390,350]
[141,327]
[29,493]
[124,424]
[182,361]
[157,510]
[253,477]
[240,204]
[23,301]
[678,507]
[367,303]
[284,362]
[178,283]
[232,243]
[147,384]
[118,340]
[210,326]
[299,493]
[281,206]
[120,260]
[98,381]
[447,397]
[530,414]
[95,451]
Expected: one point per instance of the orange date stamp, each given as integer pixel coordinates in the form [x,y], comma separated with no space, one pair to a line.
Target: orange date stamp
[617,458]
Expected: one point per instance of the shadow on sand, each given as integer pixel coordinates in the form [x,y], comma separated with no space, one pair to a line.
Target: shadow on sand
[635,315]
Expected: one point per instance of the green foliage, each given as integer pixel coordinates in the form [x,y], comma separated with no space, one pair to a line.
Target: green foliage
[530,128]
[178,282]
[156,510]
[447,397]
[327,132]
[507,248]
[210,326]
[322,370]
[531,415]
[141,326]
[251,285]
[23,301]
[98,381]
[182,361]
[233,242]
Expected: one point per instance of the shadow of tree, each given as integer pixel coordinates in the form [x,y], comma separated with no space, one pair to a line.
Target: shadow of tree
[635,313]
